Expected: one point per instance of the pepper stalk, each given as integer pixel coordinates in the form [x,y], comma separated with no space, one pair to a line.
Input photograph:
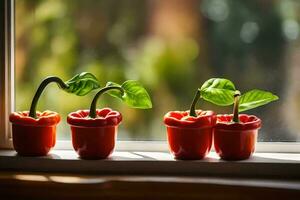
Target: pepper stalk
[45,82]
[81,84]
[193,105]
[236,107]
[93,113]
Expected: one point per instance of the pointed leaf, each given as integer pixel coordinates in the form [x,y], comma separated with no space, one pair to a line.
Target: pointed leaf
[218,91]
[82,84]
[255,98]
[134,95]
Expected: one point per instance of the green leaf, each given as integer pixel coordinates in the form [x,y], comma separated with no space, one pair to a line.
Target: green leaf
[134,95]
[255,98]
[82,84]
[218,91]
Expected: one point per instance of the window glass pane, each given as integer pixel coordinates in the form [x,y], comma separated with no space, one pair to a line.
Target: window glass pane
[172,47]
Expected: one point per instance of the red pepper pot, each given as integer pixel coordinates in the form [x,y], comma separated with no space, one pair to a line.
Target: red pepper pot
[34,137]
[189,138]
[94,138]
[236,141]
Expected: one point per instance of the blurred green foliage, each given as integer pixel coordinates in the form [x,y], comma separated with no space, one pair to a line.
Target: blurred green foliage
[157,43]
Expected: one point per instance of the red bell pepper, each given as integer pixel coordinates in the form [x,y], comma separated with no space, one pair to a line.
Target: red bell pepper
[190,132]
[235,135]
[236,141]
[34,137]
[34,133]
[94,138]
[189,137]
[94,130]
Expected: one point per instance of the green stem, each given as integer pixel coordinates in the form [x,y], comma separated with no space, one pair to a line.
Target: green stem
[193,105]
[93,113]
[39,91]
[236,107]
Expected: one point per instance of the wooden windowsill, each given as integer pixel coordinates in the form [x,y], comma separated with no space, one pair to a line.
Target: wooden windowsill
[148,175]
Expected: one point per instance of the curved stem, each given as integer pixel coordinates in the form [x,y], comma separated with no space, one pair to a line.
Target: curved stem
[45,82]
[193,105]
[93,113]
[236,107]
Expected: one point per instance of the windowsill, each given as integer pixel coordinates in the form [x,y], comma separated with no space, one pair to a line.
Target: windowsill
[261,165]
[137,174]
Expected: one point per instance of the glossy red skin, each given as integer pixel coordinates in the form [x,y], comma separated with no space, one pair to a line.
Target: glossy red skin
[236,141]
[94,138]
[34,137]
[189,138]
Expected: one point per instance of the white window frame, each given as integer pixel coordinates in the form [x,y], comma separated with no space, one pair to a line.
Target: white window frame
[7,59]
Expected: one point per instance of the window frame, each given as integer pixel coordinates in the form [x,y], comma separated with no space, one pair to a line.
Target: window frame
[7,70]
[7,105]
